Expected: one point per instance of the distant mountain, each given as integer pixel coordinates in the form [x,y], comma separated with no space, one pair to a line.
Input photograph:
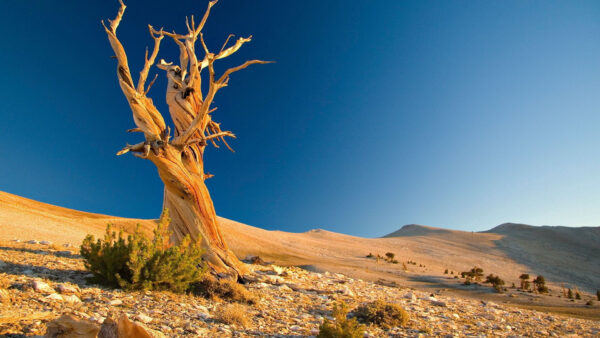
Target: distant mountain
[569,254]
[417,230]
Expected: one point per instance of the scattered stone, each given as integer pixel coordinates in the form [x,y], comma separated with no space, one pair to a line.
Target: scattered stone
[71,299]
[67,326]
[33,241]
[54,296]
[115,302]
[66,289]
[45,242]
[42,287]
[143,318]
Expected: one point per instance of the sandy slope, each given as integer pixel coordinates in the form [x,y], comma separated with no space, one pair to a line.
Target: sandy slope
[436,249]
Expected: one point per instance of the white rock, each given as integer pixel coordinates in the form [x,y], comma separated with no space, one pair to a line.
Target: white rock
[42,287]
[64,288]
[33,241]
[45,242]
[54,296]
[410,296]
[456,316]
[72,299]
[346,291]
[295,328]
[277,269]
[143,318]
[115,302]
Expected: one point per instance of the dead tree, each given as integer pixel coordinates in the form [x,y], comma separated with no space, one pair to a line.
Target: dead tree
[179,159]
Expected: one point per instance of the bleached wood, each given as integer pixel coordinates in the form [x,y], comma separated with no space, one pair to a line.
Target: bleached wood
[180,160]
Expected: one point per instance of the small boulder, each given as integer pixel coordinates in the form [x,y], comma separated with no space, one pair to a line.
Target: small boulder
[72,299]
[67,326]
[143,318]
[42,287]
[67,289]
[54,296]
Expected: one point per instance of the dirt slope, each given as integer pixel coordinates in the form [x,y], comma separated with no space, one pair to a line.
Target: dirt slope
[433,249]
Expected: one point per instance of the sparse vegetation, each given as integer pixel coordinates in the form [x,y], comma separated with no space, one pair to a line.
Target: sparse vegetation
[577,295]
[138,263]
[446,272]
[382,314]
[233,313]
[590,302]
[540,284]
[474,274]
[524,281]
[342,327]
[570,294]
[370,255]
[390,255]
[496,282]
[227,290]
[598,295]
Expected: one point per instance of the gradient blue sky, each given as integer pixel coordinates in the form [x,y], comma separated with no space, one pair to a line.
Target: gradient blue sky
[460,114]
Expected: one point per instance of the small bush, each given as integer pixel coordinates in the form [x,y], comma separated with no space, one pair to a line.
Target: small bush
[598,294]
[474,274]
[233,313]
[570,294]
[342,327]
[524,281]
[390,255]
[496,282]
[590,302]
[383,314]
[227,290]
[577,295]
[137,263]
[370,255]
[446,272]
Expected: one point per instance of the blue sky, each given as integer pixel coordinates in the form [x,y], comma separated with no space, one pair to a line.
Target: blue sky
[462,114]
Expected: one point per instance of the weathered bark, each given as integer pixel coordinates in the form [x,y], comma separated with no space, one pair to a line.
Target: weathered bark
[180,160]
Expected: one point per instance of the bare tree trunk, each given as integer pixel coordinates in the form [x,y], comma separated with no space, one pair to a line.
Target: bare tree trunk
[180,161]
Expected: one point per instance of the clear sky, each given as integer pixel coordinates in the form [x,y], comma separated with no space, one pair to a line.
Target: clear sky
[459,114]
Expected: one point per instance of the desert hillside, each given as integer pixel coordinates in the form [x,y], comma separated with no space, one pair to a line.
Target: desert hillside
[506,250]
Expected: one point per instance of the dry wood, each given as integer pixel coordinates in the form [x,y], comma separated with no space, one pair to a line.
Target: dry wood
[180,161]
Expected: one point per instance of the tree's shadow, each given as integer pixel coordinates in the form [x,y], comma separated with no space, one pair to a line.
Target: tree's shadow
[78,277]
[65,253]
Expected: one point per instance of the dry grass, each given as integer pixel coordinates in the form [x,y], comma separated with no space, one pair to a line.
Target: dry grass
[233,313]
[227,290]
[382,314]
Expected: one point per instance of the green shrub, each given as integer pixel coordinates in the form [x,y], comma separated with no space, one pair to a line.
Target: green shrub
[380,313]
[577,295]
[570,294]
[496,282]
[228,290]
[342,327]
[138,263]
[540,284]
[390,255]
[598,294]
[524,281]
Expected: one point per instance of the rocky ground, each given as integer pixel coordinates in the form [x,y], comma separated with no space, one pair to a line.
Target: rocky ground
[41,281]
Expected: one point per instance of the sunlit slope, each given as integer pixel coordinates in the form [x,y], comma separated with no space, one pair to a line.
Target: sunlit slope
[433,249]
